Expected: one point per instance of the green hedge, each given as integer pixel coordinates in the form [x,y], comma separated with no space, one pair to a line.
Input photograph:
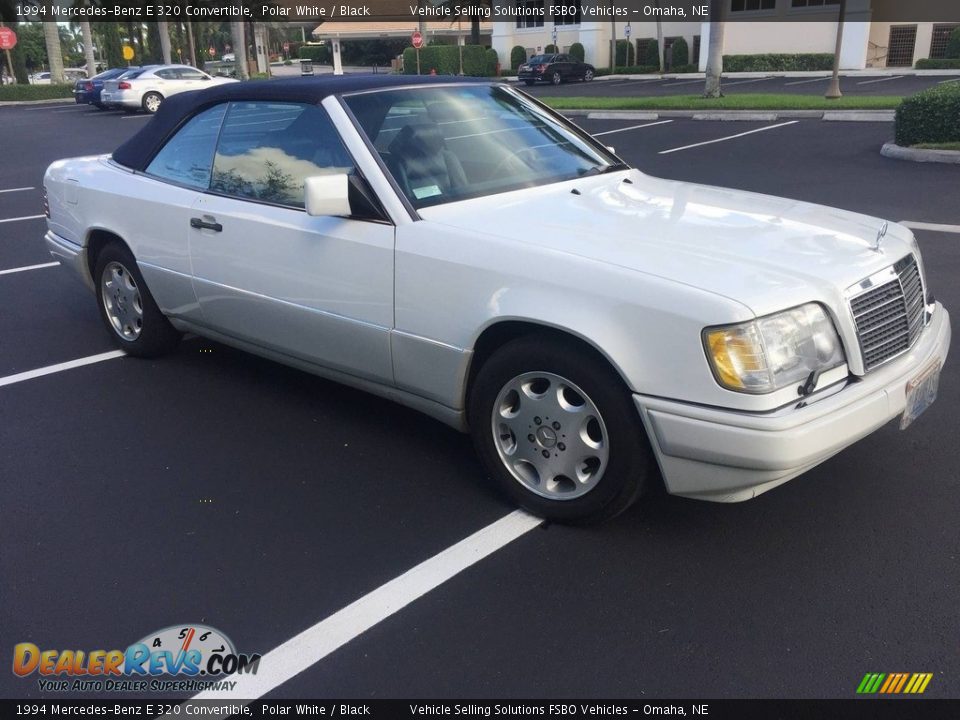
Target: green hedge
[938,64]
[576,50]
[652,56]
[35,92]
[551,50]
[777,62]
[679,53]
[628,70]
[931,116]
[478,61]
[518,56]
[317,53]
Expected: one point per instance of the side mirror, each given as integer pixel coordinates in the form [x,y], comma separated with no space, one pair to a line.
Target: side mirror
[611,150]
[327,195]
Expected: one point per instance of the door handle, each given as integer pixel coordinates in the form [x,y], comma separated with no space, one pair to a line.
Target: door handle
[199,224]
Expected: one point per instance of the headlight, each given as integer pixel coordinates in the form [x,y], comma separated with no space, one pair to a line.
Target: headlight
[775,351]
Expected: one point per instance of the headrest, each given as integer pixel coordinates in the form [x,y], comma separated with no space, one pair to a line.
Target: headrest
[415,140]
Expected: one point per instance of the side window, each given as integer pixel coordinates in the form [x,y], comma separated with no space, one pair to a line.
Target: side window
[187,158]
[188,74]
[166,74]
[267,150]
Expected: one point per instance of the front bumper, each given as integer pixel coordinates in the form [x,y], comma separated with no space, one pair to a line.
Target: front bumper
[729,456]
[71,255]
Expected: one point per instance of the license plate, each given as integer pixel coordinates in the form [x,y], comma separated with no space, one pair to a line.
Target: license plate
[921,392]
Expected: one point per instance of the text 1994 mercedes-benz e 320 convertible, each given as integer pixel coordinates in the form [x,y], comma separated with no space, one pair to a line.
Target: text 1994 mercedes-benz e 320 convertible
[462,249]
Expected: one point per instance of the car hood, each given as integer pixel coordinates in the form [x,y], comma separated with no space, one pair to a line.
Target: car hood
[762,251]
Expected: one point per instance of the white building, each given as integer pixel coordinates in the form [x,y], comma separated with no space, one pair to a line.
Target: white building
[776,26]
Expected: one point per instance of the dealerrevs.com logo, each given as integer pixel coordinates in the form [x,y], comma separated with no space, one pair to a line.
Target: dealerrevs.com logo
[180,658]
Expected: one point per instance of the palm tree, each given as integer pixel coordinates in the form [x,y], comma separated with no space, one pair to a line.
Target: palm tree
[239,49]
[164,31]
[88,48]
[714,60]
[51,37]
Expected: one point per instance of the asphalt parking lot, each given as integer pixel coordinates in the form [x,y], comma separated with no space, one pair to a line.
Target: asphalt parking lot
[885,84]
[214,487]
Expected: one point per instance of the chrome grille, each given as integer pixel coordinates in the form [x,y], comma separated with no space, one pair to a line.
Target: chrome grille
[889,316]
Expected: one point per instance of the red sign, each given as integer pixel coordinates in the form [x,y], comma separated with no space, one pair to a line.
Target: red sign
[417,39]
[8,38]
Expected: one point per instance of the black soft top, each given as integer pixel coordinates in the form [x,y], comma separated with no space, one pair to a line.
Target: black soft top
[139,150]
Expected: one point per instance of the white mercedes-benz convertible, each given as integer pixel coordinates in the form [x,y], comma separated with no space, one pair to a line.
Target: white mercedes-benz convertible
[462,249]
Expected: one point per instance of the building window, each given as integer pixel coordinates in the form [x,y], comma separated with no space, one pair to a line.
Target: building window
[643,49]
[533,13]
[752,5]
[814,3]
[567,17]
[695,57]
[940,38]
[903,39]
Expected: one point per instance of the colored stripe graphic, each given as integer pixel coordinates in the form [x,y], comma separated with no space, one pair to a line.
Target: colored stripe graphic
[894,683]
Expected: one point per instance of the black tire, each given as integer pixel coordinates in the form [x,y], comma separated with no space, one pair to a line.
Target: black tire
[147,102]
[556,78]
[155,335]
[630,466]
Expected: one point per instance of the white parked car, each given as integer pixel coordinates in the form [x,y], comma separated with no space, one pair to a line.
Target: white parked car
[461,249]
[145,88]
[71,75]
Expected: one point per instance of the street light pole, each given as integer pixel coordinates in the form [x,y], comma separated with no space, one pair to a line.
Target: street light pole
[833,92]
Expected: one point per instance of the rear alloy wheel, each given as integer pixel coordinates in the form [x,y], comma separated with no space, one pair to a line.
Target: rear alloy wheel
[151,102]
[127,308]
[556,78]
[588,76]
[557,430]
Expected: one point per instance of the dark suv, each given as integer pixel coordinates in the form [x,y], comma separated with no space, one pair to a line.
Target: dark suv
[554,69]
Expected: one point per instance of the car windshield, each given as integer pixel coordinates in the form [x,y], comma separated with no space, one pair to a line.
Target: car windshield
[131,74]
[443,144]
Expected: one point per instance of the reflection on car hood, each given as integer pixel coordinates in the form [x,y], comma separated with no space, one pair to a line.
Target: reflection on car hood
[763,251]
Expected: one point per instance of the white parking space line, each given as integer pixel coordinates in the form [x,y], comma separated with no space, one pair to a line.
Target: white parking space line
[141,117]
[869,82]
[60,367]
[78,108]
[48,108]
[632,127]
[744,82]
[803,82]
[315,643]
[935,227]
[28,267]
[952,80]
[728,137]
[23,189]
[25,217]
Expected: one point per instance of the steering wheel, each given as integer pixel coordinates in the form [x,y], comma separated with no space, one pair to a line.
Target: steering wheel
[516,159]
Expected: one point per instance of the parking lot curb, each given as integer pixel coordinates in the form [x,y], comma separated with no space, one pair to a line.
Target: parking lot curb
[897,152]
[755,115]
[48,101]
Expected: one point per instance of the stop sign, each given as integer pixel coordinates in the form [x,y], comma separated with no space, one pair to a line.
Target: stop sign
[417,39]
[8,38]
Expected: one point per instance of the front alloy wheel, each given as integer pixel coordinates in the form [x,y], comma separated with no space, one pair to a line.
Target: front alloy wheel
[550,435]
[556,78]
[557,430]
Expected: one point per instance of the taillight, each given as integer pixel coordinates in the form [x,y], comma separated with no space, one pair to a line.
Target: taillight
[88,86]
[124,86]
[46,205]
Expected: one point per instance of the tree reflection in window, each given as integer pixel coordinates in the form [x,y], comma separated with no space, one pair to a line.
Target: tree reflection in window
[267,150]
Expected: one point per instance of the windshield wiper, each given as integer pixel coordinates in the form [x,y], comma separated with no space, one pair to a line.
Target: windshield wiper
[601,169]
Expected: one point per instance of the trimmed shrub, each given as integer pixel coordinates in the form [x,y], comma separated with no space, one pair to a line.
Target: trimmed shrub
[938,64]
[684,69]
[35,92]
[953,45]
[679,54]
[576,50]
[316,53]
[777,62]
[625,53]
[628,70]
[492,64]
[652,55]
[551,49]
[518,56]
[931,116]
